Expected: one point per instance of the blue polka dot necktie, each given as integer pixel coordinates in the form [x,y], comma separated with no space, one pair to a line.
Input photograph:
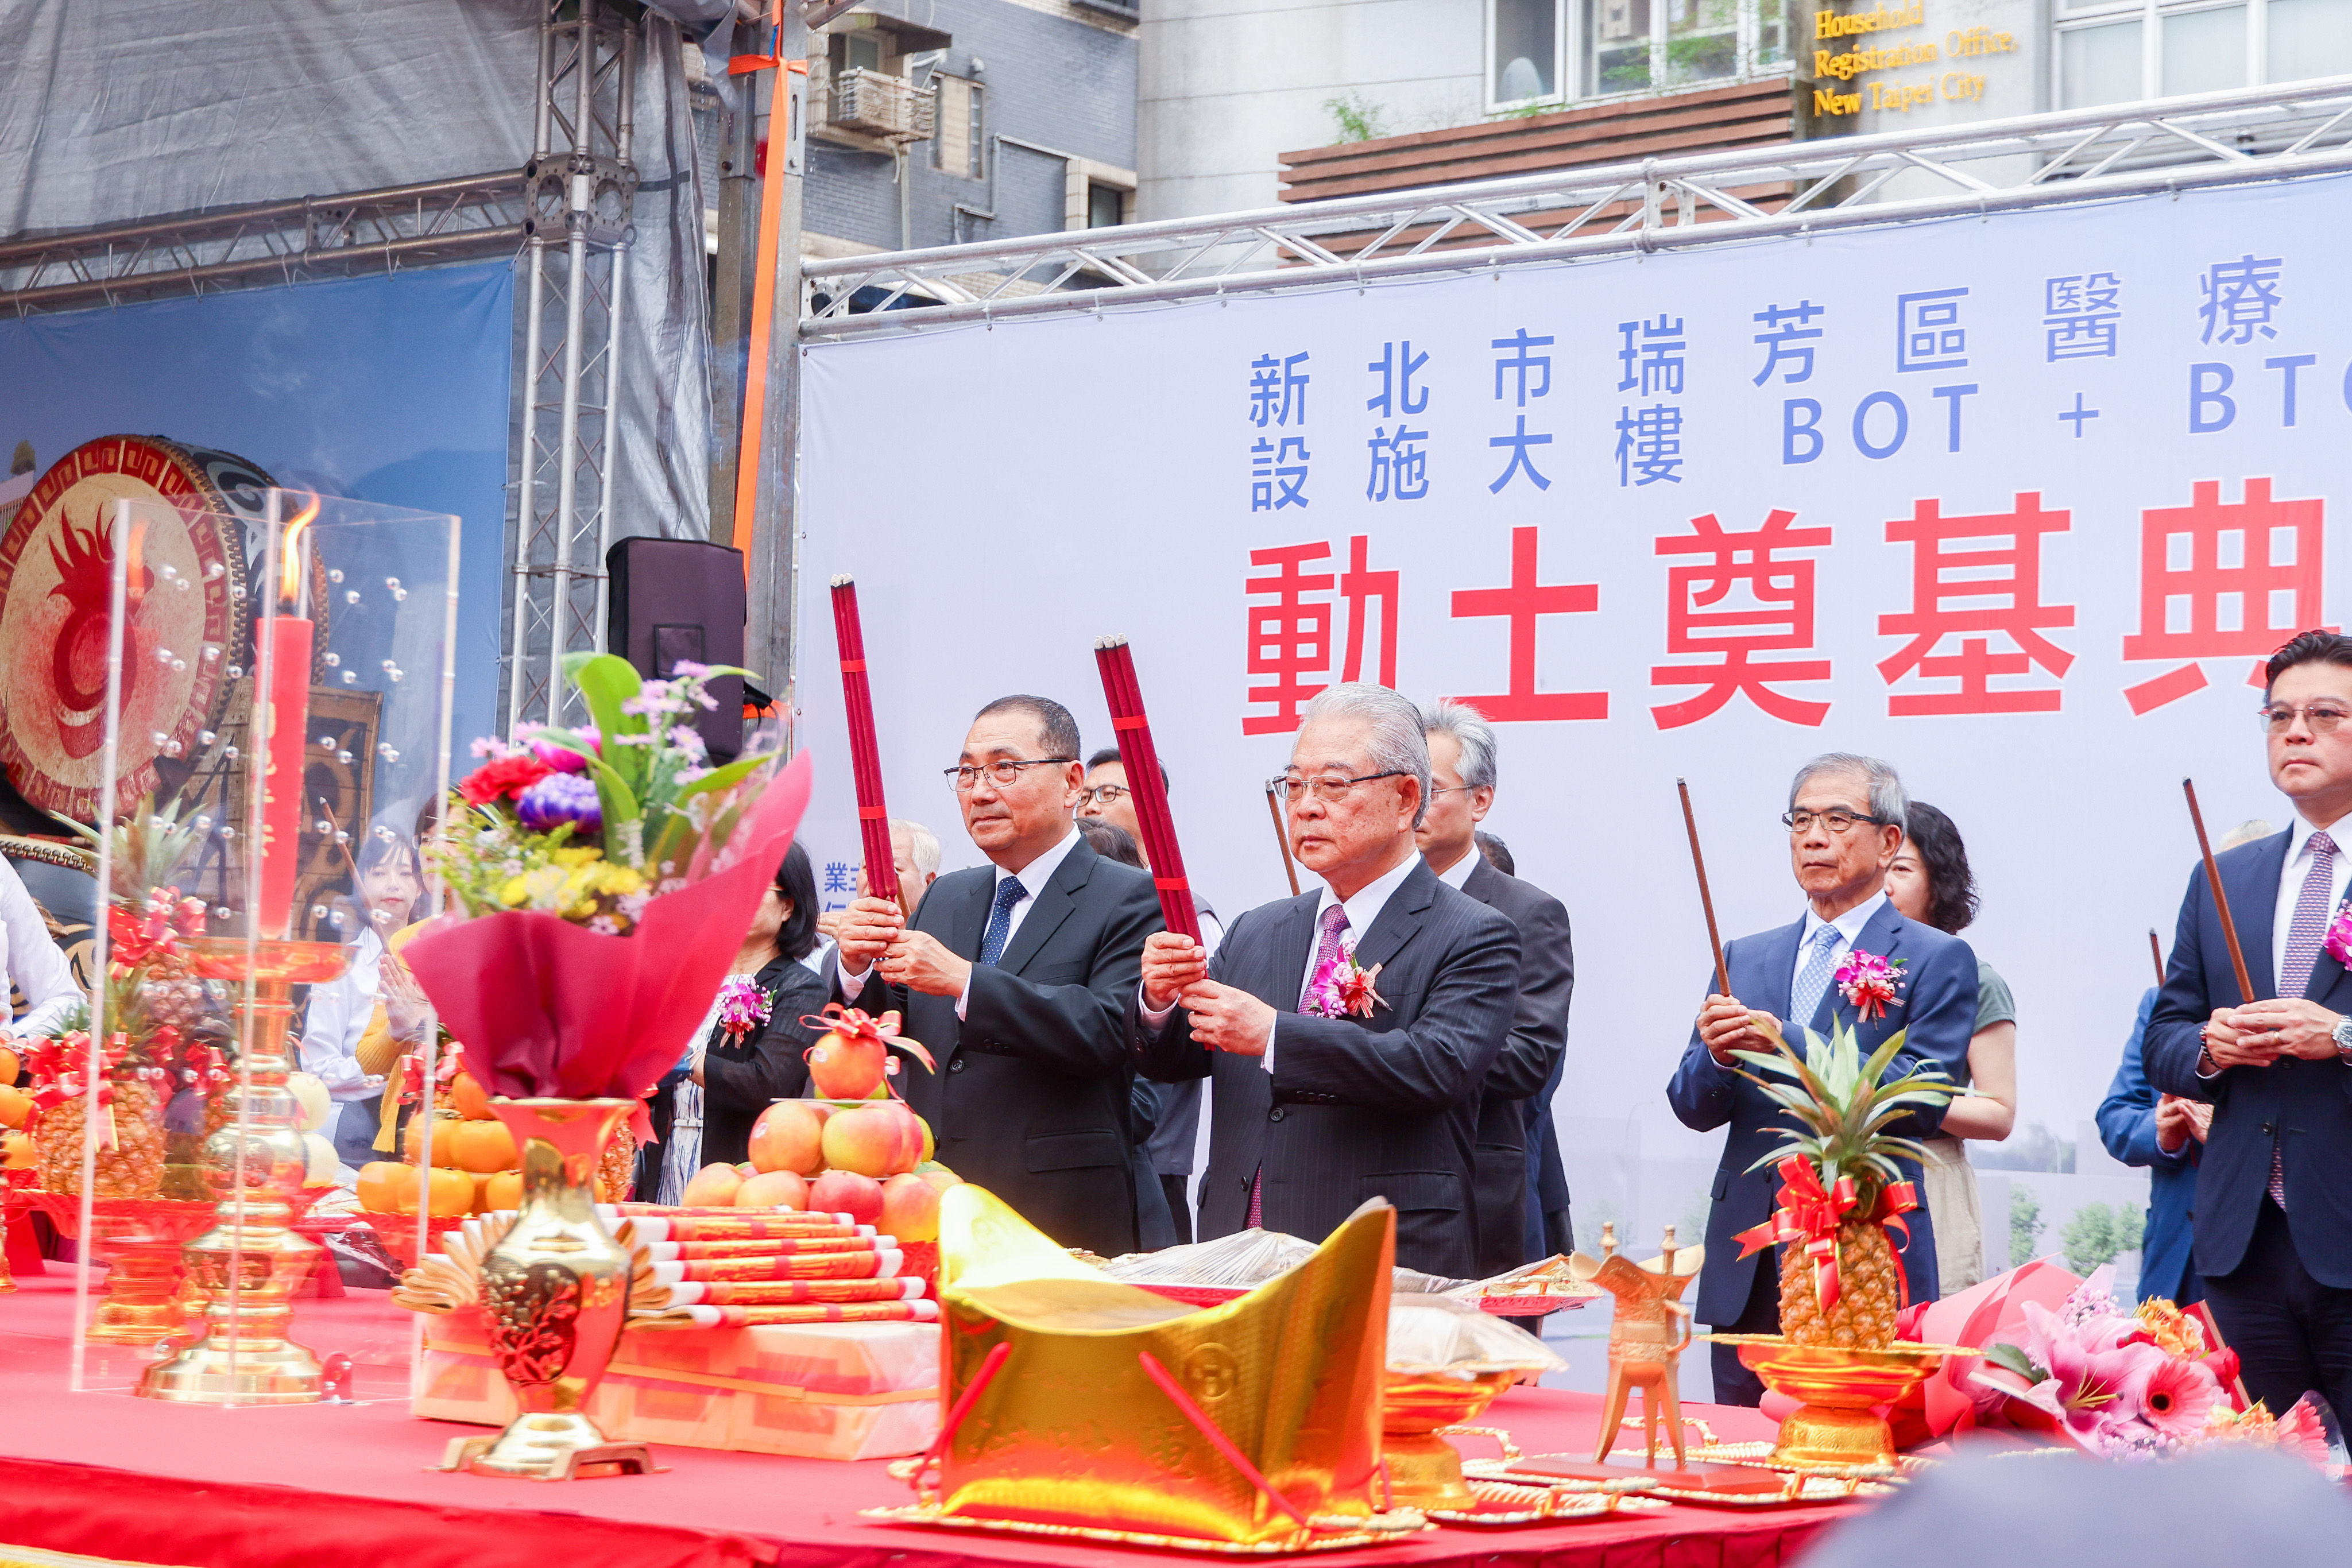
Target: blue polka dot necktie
[1814,982]
[1009,893]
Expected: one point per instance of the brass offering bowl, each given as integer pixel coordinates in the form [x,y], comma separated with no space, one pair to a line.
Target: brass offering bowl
[1424,1469]
[1836,1422]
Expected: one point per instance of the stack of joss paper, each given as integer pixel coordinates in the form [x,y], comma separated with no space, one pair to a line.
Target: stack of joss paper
[712,1268]
[725,1268]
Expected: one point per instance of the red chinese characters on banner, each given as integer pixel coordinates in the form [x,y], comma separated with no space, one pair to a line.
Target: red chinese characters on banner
[1973,578]
[1774,613]
[2223,579]
[1290,639]
[1525,601]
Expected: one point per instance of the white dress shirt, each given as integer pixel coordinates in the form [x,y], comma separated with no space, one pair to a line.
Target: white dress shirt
[30,958]
[1849,929]
[1454,875]
[338,1017]
[1034,876]
[2297,867]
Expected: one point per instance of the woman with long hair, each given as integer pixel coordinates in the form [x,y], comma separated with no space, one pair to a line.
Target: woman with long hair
[1930,882]
[704,1107]
[388,893]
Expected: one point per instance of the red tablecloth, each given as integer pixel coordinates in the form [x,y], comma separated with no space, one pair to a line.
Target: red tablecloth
[103,1475]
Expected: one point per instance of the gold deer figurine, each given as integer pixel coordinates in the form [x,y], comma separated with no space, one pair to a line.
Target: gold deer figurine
[1647,1334]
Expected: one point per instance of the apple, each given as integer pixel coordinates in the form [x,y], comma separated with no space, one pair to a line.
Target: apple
[712,1186]
[312,1096]
[790,1137]
[773,1189]
[873,1140]
[910,1208]
[746,1169]
[846,1192]
[940,1176]
[844,1067]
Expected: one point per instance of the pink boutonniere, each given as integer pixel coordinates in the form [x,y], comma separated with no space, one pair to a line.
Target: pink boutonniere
[1868,983]
[1342,989]
[2339,937]
[742,1006]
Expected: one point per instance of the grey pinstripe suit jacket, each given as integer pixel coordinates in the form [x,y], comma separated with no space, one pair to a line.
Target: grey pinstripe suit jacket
[1355,1108]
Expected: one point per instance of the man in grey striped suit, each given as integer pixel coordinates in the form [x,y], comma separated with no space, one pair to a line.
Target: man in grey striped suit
[1320,1104]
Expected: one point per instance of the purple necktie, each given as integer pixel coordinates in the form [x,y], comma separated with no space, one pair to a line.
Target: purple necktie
[1335,921]
[2313,910]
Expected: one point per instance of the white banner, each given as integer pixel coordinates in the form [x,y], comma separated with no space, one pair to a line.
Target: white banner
[2016,502]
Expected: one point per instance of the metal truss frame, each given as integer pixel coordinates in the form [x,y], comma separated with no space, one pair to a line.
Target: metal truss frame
[1655,205]
[266,243]
[580,186]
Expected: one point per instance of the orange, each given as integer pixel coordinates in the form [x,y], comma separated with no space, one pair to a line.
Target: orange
[8,1065]
[473,1100]
[16,1152]
[387,1187]
[451,1193]
[478,1146]
[14,1106]
[445,1143]
[501,1192]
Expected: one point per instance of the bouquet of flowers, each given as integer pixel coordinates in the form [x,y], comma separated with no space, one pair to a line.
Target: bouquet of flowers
[604,877]
[2142,1383]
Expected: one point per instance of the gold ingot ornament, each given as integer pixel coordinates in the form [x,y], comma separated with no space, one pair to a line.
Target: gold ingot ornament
[1076,1404]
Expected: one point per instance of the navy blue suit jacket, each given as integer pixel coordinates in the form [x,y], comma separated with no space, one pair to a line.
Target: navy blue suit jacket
[2128,1127]
[2302,1109]
[1938,995]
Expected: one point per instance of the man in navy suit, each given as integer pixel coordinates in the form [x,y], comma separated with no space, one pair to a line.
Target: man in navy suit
[1845,823]
[2273,1224]
[2141,1127]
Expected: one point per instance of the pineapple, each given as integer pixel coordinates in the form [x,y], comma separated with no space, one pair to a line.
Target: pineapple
[1841,1108]
[132,1168]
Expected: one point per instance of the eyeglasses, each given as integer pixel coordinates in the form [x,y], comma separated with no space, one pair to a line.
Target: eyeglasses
[1003,773]
[1102,794]
[1329,789]
[2322,720]
[1836,821]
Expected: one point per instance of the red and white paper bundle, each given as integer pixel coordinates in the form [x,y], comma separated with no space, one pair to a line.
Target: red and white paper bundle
[865,750]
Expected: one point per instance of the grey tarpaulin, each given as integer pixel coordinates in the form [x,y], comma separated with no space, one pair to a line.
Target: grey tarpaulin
[146,109]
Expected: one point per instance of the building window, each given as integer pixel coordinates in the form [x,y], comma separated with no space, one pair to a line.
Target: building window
[958,144]
[2121,51]
[1106,206]
[1555,51]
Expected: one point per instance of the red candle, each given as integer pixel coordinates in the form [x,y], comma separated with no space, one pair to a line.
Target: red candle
[279,855]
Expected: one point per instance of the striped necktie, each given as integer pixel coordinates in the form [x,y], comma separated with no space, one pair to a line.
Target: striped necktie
[2312,909]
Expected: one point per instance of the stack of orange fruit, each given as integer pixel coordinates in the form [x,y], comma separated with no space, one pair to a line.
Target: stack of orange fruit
[476,1168]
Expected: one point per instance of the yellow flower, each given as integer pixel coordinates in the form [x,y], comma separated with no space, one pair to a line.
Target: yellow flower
[577,854]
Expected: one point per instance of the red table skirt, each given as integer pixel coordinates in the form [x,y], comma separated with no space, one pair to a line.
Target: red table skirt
[107,1476]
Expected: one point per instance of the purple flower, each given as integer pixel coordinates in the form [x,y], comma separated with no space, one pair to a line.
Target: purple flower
[561,798]
[562,757]
[742,1006]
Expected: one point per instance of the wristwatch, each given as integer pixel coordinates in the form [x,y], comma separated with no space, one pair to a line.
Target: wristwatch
[2342,1035]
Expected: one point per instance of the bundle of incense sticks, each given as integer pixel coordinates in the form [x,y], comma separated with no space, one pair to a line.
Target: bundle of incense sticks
[864,753]
[707,1317]
[1141,761]
[877,1263]
[792,1292]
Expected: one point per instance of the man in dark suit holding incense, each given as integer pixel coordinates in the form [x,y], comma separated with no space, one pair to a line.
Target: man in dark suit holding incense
[1017,975]
[1845,823]
[1515,1100]
[2274,1217]
[1347,1031]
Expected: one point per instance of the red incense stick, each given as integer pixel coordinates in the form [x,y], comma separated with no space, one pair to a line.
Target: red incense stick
[864,754]
[1144,781]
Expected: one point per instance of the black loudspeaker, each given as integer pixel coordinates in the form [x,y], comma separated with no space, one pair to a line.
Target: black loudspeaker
[683,599]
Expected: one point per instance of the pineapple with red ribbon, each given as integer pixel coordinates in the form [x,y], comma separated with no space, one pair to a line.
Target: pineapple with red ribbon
[1841,1189]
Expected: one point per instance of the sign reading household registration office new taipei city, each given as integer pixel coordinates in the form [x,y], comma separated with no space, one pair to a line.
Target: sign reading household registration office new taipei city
[1895,60]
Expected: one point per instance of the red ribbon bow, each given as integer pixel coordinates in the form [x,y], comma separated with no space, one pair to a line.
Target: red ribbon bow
[1809,1213]
[856,1024]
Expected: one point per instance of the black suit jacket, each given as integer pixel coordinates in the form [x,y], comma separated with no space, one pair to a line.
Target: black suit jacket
[1030,1098]
[1530,1056]
[1355,1108]
[742,1079]
[2301,1109]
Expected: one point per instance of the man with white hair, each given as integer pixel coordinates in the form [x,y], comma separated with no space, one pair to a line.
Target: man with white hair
[1514,1107]
[1347,1031]
[1845,823]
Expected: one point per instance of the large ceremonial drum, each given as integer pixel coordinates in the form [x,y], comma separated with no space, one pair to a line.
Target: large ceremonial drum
[189,630]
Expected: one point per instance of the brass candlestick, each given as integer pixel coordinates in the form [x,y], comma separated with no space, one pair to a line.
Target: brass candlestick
[248,1264]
